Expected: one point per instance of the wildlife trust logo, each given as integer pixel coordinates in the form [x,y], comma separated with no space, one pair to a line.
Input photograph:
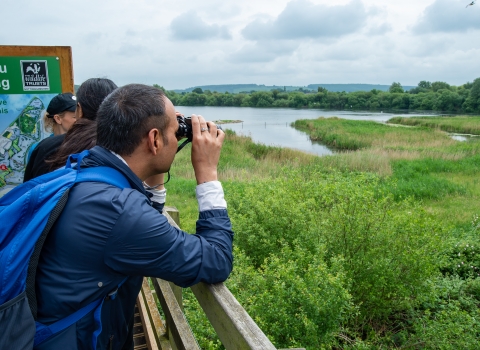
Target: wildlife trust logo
[35,75]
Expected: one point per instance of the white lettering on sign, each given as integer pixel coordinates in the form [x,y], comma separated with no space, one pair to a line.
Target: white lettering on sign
[4,69]
[6,84]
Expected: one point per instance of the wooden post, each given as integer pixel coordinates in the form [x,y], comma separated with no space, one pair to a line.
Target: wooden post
[179,332]
[174,214]
[155,331]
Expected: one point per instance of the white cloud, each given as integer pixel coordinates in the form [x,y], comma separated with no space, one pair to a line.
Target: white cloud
[189,26]
[304,19]
[380,29]
[264,51]
[448,16]
[283,42]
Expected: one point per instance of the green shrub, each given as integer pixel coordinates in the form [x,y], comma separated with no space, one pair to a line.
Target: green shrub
[388,249]
[450,328]
[463,257]
[451,320]
[294,297]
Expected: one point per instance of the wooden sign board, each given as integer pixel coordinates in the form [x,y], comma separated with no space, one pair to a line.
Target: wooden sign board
[30,76]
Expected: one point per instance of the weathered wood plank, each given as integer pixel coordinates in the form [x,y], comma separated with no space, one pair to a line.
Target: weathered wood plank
[177,291]
[181,337]
[153,325]
[173,213]
[173,217]
[233,325]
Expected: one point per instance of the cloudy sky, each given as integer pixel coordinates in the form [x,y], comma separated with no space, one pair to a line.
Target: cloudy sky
[184,43]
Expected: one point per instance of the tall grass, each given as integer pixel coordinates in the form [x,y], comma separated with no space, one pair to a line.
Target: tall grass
[242,159]
[457,124]
[419,161]
[358,134]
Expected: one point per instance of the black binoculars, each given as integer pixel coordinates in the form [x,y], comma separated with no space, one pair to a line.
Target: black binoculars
[185,128]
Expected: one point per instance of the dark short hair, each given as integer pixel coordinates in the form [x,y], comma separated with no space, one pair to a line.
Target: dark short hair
[91,94]
[128,114]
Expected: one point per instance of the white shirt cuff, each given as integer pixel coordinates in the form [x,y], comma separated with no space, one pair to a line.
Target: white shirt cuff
[159,196]
[210,196]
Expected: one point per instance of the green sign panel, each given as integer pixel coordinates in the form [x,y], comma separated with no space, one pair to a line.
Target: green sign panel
[27,84]
[20,75]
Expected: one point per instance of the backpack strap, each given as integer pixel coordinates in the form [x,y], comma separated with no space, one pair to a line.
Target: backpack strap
[95,174]
[103,174]
[34,258]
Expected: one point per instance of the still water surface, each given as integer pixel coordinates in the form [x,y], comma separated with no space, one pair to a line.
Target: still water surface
[271,126]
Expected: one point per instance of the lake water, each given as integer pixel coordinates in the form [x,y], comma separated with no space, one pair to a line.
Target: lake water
[271,126]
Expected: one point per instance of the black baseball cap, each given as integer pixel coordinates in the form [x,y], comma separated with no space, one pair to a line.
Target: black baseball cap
[61,103]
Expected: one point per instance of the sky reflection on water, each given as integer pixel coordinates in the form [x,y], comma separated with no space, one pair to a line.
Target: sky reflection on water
[271,126]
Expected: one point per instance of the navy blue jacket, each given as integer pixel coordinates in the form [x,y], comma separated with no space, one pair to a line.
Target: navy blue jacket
[105,234]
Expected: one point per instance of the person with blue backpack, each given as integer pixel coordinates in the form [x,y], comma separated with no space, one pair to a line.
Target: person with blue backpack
[111,232]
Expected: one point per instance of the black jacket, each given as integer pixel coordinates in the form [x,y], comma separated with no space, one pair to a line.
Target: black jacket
[36,165]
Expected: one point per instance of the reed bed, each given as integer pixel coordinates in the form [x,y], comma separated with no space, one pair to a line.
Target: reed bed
[456,124]
[242,159]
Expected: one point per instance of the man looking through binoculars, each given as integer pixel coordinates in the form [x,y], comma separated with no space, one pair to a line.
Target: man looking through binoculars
[107,236]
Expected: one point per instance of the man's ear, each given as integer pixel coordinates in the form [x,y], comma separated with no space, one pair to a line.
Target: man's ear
[154,141]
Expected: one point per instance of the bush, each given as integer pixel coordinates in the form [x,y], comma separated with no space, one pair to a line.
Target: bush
[463,257]
[451,319]
[293,297]
[388,249]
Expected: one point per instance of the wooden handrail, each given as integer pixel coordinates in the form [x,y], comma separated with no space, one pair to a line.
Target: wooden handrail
[233,325]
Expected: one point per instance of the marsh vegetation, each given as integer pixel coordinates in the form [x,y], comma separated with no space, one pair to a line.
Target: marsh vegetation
[376,247]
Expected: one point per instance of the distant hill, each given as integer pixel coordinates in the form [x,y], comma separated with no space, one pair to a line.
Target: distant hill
[353,87]
[237,88]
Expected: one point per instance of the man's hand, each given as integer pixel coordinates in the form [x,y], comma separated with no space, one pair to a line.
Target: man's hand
[206,146]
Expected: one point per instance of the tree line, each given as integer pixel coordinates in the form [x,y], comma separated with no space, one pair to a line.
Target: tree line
[427,96]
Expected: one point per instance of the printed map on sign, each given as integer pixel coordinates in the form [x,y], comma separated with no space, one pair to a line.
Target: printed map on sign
[22,125]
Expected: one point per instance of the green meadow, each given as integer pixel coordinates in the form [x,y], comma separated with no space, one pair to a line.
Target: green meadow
[374,247]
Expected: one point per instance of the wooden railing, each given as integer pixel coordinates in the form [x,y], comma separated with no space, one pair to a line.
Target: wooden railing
[234,327]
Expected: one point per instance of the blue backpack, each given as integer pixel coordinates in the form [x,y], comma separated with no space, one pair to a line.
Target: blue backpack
[27,213]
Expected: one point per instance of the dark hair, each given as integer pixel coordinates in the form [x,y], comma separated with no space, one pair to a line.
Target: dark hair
[83,134]
[128,114]
[91,94]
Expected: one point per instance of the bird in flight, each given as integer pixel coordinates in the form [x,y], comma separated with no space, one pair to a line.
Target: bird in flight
[470,4]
